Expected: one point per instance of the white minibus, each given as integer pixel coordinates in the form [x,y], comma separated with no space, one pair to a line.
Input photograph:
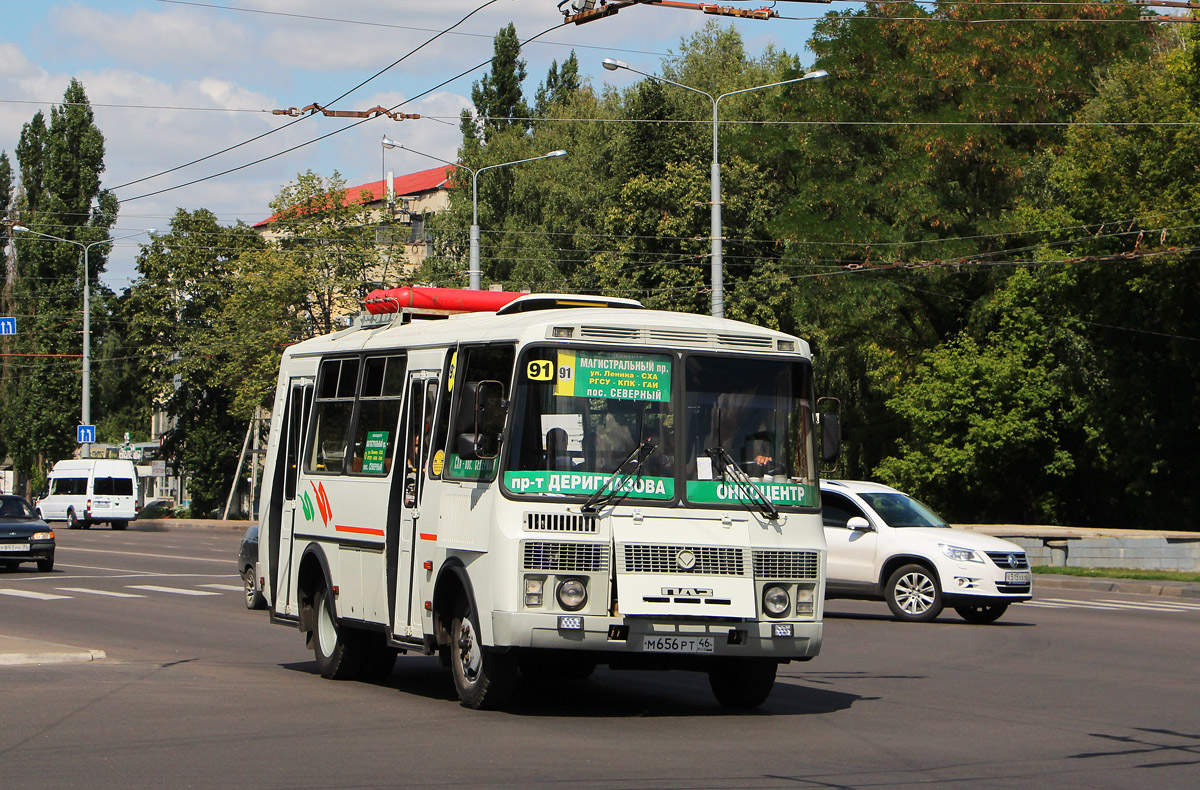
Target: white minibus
[91,491]
[548,484]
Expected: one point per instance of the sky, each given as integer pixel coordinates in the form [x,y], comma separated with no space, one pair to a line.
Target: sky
[173,81]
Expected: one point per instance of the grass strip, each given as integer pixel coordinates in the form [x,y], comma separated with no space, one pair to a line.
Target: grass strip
[1120,573]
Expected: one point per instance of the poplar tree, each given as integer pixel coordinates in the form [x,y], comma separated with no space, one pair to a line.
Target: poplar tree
[60,165]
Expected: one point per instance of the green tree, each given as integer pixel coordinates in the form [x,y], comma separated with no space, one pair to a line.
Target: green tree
[330,240]
[559,86]
[178,318]
[498,98]
[60,165]
[1118,205]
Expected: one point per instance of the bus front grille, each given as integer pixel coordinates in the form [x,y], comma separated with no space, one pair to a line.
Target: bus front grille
[670,559]
[563,556]
[560,522]
[786,565]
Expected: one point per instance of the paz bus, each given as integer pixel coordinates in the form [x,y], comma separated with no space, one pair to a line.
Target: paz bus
[537,484]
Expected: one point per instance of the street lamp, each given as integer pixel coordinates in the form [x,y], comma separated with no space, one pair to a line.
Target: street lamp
[474,273]
[86,406]
[718,270]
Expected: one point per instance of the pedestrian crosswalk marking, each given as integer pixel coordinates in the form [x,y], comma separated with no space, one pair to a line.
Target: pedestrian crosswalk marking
[109,593]
[172,590]
[232,587]
[35,595]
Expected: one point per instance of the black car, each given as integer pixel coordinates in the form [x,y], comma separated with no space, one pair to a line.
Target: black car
[247,562]
[23,536]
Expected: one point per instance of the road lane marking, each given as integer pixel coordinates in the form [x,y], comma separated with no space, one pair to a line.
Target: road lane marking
[1180,605]
[172,590]
[153,556]
[36,595]
[1128,606]
[90,591]
[233,587]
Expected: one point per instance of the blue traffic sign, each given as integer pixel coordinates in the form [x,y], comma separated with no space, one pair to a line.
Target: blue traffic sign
[8,325]
[85,434]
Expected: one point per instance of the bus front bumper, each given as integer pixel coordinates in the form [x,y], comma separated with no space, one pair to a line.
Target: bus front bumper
[784,640]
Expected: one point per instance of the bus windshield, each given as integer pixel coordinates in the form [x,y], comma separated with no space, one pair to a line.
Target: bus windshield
[581,417]
[585,420]
[755,414]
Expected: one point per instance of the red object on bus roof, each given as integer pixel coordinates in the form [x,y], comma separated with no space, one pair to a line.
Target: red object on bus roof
[451,300]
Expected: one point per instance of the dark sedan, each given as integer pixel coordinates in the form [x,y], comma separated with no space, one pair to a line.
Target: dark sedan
[23,536]
[247,568]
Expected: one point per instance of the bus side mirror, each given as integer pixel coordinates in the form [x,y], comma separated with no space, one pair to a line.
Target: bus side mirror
[470,447]
[831,437]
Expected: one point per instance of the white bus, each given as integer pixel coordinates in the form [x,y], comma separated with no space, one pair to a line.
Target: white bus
[562,482]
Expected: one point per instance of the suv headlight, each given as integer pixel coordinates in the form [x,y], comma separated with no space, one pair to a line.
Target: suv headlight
[959,554]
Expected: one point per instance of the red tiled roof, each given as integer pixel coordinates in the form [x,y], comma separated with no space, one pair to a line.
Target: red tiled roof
[411,184]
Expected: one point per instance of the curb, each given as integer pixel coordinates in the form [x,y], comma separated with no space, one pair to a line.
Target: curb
[15,651]
[1133,586]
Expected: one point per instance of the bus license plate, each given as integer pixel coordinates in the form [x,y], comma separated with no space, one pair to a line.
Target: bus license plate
[1017,577]
[14,547]
[677,644]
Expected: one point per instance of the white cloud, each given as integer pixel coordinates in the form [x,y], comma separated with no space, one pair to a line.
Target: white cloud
[154,38]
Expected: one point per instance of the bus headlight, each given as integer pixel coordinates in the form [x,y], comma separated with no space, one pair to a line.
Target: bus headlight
[804,599]
[572,594]
[533,591]
[776,601]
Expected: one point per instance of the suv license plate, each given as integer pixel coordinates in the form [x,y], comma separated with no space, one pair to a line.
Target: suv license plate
[678,644]
[14,547]
[1017,577]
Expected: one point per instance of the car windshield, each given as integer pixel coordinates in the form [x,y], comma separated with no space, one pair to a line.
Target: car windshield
[15,507]
[901,510]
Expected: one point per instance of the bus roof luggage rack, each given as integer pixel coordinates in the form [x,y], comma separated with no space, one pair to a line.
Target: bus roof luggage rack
[528,303]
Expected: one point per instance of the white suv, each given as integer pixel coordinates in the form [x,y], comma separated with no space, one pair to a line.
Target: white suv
[885,545]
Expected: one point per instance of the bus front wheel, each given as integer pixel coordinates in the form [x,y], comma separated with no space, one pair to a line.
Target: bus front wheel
[483,678]
[340,651]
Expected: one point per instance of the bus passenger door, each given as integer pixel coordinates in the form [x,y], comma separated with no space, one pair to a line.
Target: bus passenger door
[408,488]
[295,427]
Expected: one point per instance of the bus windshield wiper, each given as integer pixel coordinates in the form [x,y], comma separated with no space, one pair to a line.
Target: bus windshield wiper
[727,467]
[609,491]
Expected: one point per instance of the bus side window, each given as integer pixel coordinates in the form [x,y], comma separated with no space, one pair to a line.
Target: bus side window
[482,382]
[334,409]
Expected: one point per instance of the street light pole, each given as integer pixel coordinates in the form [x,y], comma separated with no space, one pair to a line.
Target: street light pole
[475,273]
[86,399]
[718,258]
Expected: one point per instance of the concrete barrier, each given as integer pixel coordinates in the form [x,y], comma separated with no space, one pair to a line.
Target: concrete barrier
[1075,547]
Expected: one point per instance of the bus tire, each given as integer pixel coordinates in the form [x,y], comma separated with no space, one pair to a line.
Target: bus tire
[339,650]
[483,678]
[72,521]
[122,524]
[742,682]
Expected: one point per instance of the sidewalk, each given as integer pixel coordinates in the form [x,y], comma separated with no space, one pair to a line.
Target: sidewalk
[15,651]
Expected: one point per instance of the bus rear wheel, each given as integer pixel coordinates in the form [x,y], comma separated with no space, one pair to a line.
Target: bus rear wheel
[483,678]
[742,682]
[340,651]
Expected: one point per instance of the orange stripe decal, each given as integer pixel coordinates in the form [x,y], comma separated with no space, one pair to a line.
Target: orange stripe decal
[427,536]
[358,530]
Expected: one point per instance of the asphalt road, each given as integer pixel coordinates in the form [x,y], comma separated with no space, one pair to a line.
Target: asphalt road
[1076,690]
